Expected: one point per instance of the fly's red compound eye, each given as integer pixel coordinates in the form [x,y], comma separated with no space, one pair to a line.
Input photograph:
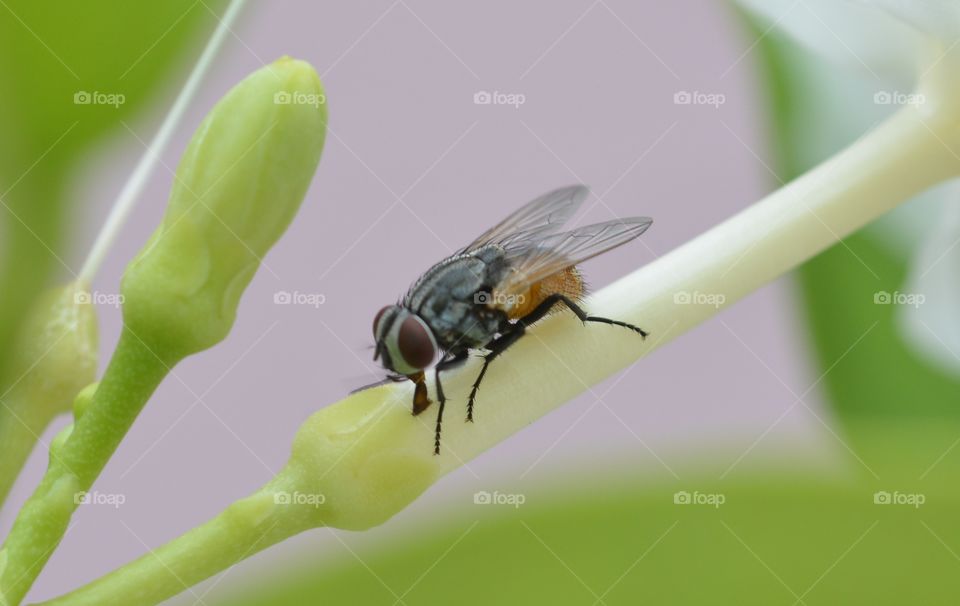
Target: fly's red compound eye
[415,344]
[376,319]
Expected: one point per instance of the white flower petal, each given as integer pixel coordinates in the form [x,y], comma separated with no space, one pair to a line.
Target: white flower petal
[938,18]
[877,48]
[932,325]
[854,34]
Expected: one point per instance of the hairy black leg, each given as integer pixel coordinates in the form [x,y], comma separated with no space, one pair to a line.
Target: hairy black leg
[496,348]
[558,298]
[436,435]
[517,330]
[455,360]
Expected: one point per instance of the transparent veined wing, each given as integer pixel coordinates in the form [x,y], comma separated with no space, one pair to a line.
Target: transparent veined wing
[538,217]
[541,258]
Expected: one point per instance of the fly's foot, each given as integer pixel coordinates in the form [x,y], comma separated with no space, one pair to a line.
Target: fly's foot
[644,334]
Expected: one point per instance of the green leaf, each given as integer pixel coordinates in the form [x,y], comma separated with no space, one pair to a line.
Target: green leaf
[50,52]
[775,538]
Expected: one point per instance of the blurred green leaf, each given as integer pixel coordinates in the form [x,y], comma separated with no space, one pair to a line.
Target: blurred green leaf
[776,538]
[51,52]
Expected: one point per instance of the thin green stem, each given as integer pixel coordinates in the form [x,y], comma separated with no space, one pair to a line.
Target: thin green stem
[246,527]
[134,373]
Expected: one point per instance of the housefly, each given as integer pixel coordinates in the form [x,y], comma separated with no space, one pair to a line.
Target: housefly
[486,295]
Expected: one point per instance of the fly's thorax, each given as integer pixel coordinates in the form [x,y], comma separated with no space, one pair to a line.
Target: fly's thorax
[461,326]
[451,298]
[455,278]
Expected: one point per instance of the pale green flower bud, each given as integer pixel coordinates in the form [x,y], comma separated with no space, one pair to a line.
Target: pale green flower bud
[58,354]
[238,186]
[56,358]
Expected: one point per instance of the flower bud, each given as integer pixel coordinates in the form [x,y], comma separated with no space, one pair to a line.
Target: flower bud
[368,459]
[58,354]
[238,186]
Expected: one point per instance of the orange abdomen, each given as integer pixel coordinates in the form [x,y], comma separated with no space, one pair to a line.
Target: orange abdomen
[567,282]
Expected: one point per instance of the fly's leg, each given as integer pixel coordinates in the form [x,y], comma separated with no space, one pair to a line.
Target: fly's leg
[496,348]
[443,403]
[558,298]
[518,329]
[445,364]
[421,401]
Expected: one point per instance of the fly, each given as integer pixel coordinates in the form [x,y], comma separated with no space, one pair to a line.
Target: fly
[485,296]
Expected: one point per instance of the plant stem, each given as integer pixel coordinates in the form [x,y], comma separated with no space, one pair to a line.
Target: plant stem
[903,156]
[132,376]
[243,529]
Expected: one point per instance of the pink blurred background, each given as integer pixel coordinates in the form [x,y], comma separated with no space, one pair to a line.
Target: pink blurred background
[413,169]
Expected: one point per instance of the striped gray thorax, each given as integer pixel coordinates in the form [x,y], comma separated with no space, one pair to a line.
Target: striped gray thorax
[452,298]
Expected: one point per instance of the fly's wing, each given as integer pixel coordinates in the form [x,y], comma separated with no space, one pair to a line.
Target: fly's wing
[535,219]
[537,260]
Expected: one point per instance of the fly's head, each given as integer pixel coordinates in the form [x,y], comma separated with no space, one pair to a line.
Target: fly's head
[404,343]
